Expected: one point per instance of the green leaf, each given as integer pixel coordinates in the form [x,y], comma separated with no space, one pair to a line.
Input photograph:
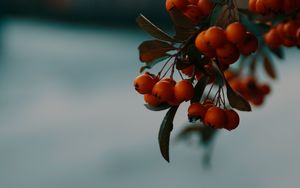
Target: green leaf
[258,29]
[199,89]
[180,20]
[183,34]
[235,100]
[165,132]
[151,64]
[269,68]
[154,49]
[218,74]
[278,52]
[157,108]
[219,8]
[152,29]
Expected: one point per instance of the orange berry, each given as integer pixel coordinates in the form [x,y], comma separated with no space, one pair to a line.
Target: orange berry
[215,37]
[236,32]
[170,80]
[163,90]
[151,100]
[193,2]
[228,54]
[144,83]
[261,8]
[174,101]
[236,85]
[229,75]
[232,120]
[184,90]
[188,70]
[265,89]
[179,4]
[197,110]
[215,117]
[193,13]
[249,45]
[290,29]
[289,6]
[272,38]
[252,5]
[205,6]
[272,5]
[203,47]
[257,100]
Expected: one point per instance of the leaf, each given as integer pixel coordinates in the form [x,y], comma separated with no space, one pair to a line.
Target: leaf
[180,20]
[183,34]
[258,29]
[218,74]
[151,64]
[152,29]
[157,108]
[252,66]
[278,52]
[216,14]
[165,132]
[199,89]
[154,49]
[237,101]
[268,65]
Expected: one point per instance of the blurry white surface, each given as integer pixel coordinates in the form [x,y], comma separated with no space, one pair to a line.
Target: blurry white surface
[69,117]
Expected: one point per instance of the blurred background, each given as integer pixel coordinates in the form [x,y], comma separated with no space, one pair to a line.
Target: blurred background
[69,117]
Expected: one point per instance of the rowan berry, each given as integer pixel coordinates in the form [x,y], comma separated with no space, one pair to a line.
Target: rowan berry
[184,90]
[215,117]
[249,45]
[202,45]
[151,100]
[215,37]
[205,6]
[232,120]
[236,32]
[144,83]
[228,54]
[163,90]
[197,110]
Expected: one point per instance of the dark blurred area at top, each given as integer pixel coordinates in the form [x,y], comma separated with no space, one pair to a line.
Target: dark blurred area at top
[112,13]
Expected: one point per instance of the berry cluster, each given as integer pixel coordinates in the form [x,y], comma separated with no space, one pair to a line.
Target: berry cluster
[286,33]
[213,116]
[249,88]
[157,91]
[195,10]
[267,7]
[226,45]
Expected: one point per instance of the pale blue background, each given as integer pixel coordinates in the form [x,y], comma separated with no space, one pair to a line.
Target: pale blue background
[69,118]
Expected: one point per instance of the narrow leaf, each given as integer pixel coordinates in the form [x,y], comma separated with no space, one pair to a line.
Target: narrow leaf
[278,52]
[154,49]
[157,108]
[151,64]
[269,68]
[218,74]
[235,100]
[152,29]
[165,132]
[180,20]
[199,89]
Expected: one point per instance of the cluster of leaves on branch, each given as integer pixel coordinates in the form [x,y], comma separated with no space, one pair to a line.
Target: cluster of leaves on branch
[196,62]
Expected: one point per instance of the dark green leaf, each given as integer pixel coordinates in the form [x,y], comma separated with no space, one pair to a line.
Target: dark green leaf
[151,64]
[258,29]
[218,75]
[165,132]
[199,89]
[235,100]
[157,108]
[180,20]
[278,52]
[183,34]
[152,29]
[216,14]
[180,64]
[268,65]
[154,49]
